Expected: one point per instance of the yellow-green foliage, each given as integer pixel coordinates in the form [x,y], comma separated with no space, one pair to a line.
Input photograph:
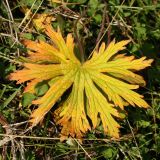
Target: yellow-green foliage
[98,86]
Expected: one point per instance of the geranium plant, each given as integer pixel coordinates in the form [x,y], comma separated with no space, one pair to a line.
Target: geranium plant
[98,87]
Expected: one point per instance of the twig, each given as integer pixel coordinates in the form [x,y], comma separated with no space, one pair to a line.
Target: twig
[8,130]
[3,122]
[4,152]
[125,137]
[122,150]
[8,12]
[27,14]
[17,124]
[12,19]
[134,139]
[66,12]
[11,60]
[9,35]
[109,29]
[106,29]
[13,150]
[21,149]
[4,19]
[32,17]
[82,148]
[102,26]
[11,16]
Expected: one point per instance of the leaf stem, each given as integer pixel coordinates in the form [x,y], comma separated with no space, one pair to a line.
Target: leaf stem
[79,41]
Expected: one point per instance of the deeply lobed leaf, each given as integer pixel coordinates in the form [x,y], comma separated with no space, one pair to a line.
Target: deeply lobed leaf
[97,87]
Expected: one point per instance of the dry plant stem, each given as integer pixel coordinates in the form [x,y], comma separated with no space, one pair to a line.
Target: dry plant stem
[32,17]
[109,29]
[106,29]
[134,139]
[27,14]
[18,124]
[124,138]
[9,59]
[3,122]
[20,146]
[66,12]
[13,150]
[21,149]
[4,142]
[9,35]
[7,20]
[82,148]
[12,19]
[14,143]
[9,15]
[125,24]
[128,28]
[102,26]
[122,150]
[4,152]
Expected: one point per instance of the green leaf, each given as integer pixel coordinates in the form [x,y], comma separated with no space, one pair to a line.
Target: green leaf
[41,38]
[27,99]
[41,88]
[98,18]
[108,152]
[143,123]
[27,36]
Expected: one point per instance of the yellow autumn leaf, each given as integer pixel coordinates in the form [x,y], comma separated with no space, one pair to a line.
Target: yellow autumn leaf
[97,87]
[39,20]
